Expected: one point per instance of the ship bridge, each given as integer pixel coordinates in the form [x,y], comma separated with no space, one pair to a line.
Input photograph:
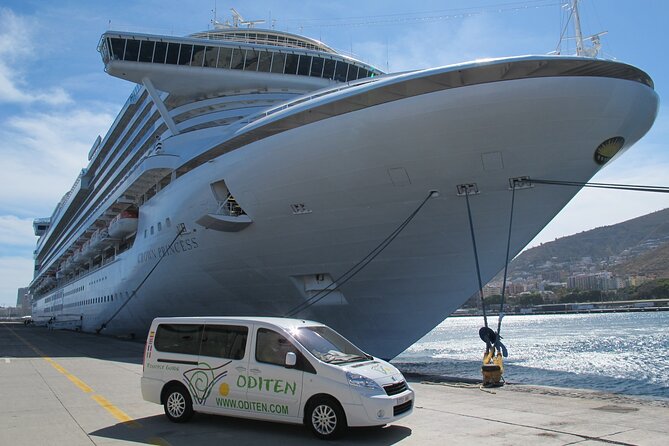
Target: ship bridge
[227,60]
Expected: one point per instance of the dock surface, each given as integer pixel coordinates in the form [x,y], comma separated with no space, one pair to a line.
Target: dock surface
[66,388]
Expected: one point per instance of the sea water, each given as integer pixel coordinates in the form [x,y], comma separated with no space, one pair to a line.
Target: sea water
[625,353]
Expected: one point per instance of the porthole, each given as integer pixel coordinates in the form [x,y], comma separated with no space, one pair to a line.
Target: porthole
[608,149]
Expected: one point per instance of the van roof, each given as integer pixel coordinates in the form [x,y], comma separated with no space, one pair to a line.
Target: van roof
[282,322]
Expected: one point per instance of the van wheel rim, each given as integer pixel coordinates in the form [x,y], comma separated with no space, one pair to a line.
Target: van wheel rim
[324,419]
[176,404]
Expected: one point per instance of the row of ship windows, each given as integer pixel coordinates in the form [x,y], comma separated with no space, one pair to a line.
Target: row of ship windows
[75,290]
[234,58]
[94,300]
[97,280]
[261,38]
[159,226]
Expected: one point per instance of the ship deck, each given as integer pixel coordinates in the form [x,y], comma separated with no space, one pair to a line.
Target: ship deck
[78,389]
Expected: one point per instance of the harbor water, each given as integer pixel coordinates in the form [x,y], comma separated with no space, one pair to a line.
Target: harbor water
[624,353]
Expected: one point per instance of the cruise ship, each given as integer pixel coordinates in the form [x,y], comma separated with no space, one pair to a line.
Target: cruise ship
[255,172]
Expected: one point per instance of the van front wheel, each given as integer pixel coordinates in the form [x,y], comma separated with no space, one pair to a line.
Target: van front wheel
[178,405]
[326,418]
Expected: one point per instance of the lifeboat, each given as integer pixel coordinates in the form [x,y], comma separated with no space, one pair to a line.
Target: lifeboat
[85,250]
[123,224]
[77,257]
[69,264]
[96,241]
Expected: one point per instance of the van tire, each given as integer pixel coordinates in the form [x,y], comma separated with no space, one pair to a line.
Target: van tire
[325,417]
[178,404]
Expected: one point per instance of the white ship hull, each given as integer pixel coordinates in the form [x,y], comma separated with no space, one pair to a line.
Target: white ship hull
[360,174]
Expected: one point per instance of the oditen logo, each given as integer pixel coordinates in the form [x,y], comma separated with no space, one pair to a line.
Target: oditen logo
[202,379]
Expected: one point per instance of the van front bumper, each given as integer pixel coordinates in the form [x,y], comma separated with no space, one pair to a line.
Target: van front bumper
[379,409]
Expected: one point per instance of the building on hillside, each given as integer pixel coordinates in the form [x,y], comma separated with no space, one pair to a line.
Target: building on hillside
[602,281]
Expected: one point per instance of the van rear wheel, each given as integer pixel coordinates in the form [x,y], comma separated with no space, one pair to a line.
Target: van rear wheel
[326,418]
[178,405]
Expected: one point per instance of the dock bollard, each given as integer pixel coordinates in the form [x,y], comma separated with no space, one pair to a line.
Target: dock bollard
[492,369]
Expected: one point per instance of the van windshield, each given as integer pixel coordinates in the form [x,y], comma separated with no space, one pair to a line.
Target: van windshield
[328,345]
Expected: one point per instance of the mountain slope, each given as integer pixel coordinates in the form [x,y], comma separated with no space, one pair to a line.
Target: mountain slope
[627,239]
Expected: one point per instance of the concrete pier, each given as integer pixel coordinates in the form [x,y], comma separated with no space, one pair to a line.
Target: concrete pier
[65,388]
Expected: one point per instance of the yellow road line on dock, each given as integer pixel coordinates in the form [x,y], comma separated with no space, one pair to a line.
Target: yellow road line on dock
[102,401]
[115,411]
[76,381]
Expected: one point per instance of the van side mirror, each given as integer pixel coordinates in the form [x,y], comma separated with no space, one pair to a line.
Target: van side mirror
[291,360]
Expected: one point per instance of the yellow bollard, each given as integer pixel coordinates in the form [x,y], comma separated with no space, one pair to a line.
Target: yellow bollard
[492,369]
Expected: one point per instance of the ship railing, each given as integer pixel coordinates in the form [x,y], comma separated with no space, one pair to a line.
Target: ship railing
[284,43]
[303,99]
[94,211]
[64,202]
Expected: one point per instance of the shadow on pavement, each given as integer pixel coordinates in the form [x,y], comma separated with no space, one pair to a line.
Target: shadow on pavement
[20,341]
[205,429]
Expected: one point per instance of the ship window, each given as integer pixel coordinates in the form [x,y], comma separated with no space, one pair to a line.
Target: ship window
[291,63]
[264,61]
[224,58]
[172,53]
[316,67]
[362,73]
[131,50]
[329,68]
[304,65]
[278,61]
[352,73]
[117,47]
[251,62]
[185,53]
[146,51]
[237,59]
[178,338]
[224,341]
[340,71]
[160,226]
[210,56]
[168,222]
[160,52]
[151,230]
[198,56]
[145,232]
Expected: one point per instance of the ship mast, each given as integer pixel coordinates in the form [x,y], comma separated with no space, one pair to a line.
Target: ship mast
[595,44]
[577,29]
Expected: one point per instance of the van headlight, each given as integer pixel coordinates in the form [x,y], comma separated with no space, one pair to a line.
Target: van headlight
[356,380]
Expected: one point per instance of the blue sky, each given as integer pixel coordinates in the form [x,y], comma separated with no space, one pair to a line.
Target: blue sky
[55,97]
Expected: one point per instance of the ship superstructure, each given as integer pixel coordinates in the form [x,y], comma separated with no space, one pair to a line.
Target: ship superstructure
[250,169]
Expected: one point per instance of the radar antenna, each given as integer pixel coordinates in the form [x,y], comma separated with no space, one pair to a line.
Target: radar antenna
[238,20]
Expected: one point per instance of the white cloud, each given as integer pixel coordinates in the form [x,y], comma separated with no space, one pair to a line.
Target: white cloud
[449,42]
[15,273]
[15,49]
[42,155]
[15,231]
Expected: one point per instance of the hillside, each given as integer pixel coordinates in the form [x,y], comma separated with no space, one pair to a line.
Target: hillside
[654,262]
[624,242]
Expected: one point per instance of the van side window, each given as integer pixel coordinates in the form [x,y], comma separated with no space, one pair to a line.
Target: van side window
[178,338]
[271,347]
[224,341]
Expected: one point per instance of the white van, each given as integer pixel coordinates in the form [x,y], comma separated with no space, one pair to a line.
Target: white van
[285,370]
